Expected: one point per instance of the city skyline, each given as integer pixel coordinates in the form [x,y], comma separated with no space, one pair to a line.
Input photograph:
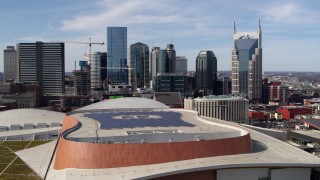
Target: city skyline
[290,28]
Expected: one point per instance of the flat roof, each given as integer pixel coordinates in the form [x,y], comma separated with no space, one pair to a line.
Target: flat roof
[311,133]
[33,116]
[162,125]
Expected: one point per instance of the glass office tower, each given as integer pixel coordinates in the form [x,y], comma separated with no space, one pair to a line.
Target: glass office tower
[206,72]
[117,55]
[139,65]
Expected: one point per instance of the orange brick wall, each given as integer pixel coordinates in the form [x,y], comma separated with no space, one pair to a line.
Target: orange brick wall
[82,155]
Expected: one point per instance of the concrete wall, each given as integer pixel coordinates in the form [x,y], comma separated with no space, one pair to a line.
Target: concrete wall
[247,174]
[291,173]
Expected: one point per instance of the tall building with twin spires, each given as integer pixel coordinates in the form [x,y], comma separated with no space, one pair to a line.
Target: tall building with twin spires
[247,64]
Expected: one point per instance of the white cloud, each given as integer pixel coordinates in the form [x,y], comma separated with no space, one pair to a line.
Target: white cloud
[122,13]
[288,13]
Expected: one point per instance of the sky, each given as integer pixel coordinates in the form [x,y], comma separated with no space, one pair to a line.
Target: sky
[290,28]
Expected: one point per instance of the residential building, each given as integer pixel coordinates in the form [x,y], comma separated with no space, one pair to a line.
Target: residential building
[279,93]
[9,63]
[206,72]
[181,65]
[228,108]
[117,71]
[43,63]
[138,63]
[247,64]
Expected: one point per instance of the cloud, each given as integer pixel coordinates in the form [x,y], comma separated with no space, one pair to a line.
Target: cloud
[34,38]
[121,13]
[288,13]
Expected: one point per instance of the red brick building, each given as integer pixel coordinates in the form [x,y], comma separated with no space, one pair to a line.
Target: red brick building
[289,112]
[256,115]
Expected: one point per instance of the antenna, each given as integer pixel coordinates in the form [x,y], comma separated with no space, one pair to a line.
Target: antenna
[234,26]
[171,38]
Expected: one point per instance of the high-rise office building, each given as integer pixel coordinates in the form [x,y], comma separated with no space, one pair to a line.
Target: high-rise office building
[168,82]
[98,68]
[206,72]
[81,82]
[9,63]
[247,64]
[43,63]
[139,65]
[181,65]
[158,61]
[170,59]
[117,71]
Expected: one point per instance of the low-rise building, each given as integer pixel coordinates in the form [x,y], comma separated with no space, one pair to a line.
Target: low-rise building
[289,112]
[228,108]
[27,100]
[171,99]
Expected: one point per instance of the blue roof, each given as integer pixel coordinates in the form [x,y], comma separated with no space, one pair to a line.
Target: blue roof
[109,120]
[244,44]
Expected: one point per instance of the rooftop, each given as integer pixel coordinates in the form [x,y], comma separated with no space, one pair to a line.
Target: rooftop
[146,125]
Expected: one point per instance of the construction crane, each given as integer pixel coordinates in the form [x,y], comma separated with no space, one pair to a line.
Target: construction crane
[88,43]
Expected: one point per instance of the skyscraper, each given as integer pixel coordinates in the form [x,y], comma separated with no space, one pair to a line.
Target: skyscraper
[43,63]
[139,65]
[170,59]
[9,63]
[206,72]
[117,71]
[181,64]
[98,68]
[247,64]
[158,61]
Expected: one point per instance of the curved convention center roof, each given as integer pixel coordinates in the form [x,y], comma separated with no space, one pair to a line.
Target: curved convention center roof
[149,135]
[123,103]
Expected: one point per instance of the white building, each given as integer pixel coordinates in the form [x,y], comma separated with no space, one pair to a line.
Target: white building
[228,108]
[98,71]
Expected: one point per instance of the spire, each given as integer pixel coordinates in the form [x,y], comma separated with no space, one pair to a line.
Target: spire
[259,28]
[234,27]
